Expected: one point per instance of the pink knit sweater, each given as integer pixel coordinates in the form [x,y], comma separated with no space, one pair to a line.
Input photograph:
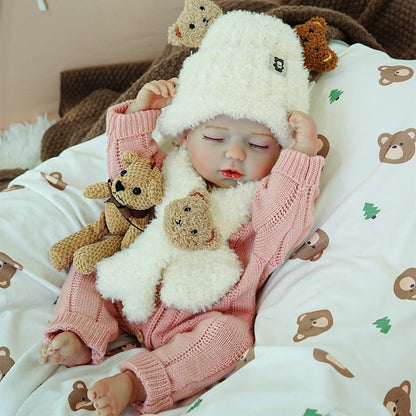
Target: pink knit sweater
[187,352]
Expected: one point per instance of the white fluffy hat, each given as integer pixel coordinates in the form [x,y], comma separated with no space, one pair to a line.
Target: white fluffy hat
[249,65]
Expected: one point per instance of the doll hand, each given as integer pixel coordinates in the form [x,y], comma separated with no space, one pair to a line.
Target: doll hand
[154,95]
[304,133]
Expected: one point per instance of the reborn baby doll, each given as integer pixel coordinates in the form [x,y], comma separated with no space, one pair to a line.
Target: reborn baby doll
[247,167]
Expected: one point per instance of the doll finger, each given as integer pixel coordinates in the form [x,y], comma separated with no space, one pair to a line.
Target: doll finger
[171,88]
[163,89]
[153,87]
[174,81]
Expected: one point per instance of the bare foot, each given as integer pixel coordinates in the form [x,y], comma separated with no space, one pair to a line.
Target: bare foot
[67,349]
[111,395]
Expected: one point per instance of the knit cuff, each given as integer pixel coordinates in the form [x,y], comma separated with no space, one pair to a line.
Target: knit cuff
[122,125]
[298,166]
[156,383]
[91,333]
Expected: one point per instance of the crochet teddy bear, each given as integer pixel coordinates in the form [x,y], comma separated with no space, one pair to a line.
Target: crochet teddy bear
[132,195]
[318,56]
[193,23]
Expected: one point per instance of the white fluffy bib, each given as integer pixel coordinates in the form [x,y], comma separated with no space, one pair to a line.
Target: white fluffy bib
[188,279]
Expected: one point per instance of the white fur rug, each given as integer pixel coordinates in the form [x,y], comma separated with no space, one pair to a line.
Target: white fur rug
[20,144]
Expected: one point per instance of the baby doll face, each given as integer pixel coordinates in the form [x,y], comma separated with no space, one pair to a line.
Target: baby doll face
[225,151]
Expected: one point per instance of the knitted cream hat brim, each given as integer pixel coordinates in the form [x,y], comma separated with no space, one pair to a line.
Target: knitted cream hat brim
[248,66]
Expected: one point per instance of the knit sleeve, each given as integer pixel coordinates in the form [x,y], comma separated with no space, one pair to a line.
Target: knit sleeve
[283,209]
[191,361]
[131,132]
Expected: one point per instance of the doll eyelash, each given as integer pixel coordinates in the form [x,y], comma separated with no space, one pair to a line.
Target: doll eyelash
[256,146]
[213,139]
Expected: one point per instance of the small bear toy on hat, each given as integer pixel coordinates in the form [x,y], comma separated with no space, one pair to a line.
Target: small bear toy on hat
[318,56]
[192,24]
[132,195]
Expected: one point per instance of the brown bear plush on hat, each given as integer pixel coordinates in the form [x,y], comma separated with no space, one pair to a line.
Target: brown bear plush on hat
[318,56]
[132,195]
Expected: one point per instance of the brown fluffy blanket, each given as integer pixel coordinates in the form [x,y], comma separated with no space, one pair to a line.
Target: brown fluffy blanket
[387,25]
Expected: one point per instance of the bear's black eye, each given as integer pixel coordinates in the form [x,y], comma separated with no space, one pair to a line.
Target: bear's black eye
[137,191]
[123,172]
[191,26]
[202,8]
[193,232]
[310,30]
[187,209]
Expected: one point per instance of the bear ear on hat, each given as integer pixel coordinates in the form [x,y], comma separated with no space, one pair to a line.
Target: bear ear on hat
[193,23]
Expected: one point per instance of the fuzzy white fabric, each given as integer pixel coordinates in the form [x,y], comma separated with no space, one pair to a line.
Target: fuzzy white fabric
[20,144]
[249,65]
[192,280]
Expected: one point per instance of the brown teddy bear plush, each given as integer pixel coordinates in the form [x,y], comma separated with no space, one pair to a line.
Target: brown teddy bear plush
[318,56]
[132,195]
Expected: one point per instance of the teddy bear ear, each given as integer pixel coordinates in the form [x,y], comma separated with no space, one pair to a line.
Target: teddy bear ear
[202,193]
[319,21]
[129,157]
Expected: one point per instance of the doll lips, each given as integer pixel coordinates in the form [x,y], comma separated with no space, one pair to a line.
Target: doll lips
[231,174]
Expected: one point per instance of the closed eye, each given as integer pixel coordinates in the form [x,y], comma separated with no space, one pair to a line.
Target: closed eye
[259,147]
[213,139]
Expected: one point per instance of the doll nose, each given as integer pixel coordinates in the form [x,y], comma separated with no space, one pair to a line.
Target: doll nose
[235,151]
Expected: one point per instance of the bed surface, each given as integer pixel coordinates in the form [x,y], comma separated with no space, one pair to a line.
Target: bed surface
[335,330]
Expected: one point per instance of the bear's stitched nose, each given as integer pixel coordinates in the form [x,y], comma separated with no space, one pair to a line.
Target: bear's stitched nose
[119,186]
[178,222]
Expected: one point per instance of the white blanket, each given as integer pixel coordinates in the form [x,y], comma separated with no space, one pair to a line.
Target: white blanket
[334,336]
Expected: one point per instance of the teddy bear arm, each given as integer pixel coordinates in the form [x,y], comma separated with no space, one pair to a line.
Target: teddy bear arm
[62,252]
[116,223]
[97,190]
[85,258]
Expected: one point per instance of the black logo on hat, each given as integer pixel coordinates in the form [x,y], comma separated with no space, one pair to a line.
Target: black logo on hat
[279,64]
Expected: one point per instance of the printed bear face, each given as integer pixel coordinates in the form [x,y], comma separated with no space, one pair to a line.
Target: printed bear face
[398,147]
[405,285]
[6,362]
[397,400]
[313,249]
[8,268]
[317,54]
[139,186]
[78,398]
[189,225]
[193,23]
[397,73]
[314,323]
